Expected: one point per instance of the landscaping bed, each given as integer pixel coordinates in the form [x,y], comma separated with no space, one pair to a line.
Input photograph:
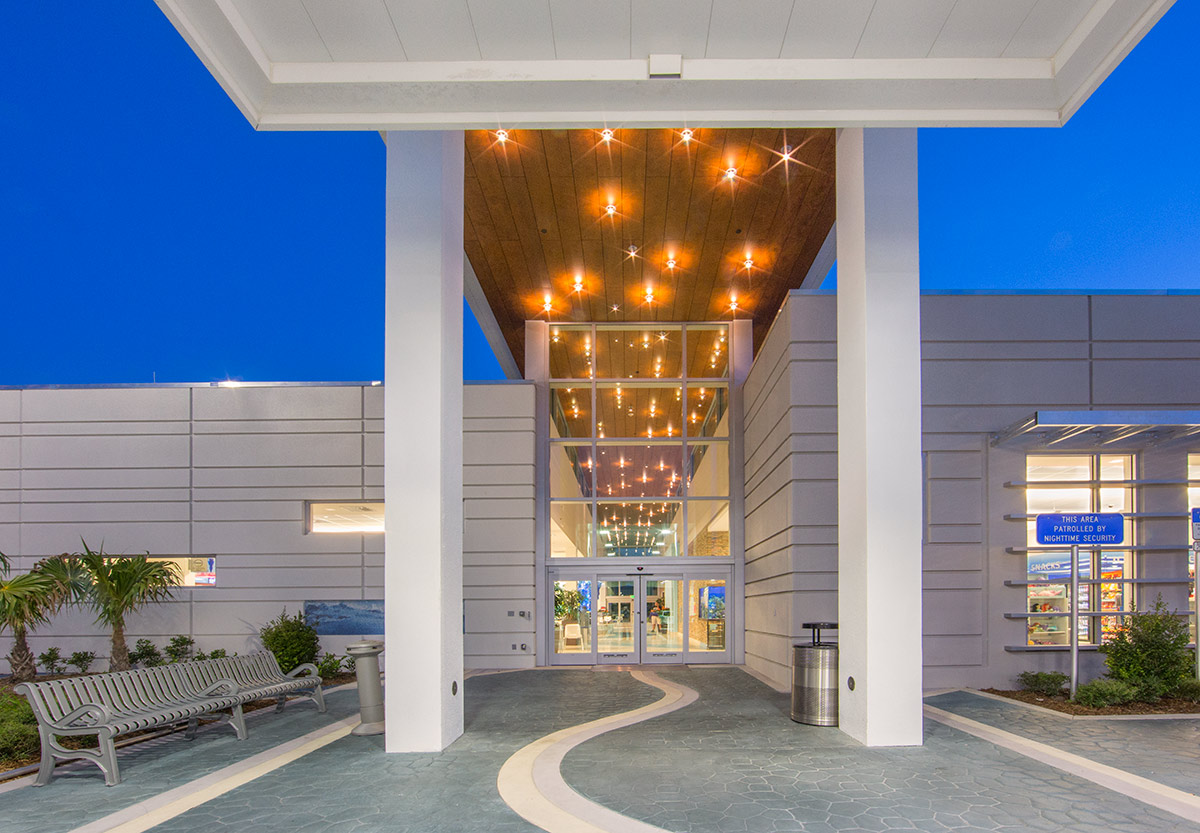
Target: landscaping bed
[1060,703]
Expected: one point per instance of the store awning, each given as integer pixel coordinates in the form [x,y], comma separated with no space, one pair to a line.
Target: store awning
[1099,429]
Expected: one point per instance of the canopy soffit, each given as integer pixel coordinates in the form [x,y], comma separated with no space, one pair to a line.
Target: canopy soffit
[437,64]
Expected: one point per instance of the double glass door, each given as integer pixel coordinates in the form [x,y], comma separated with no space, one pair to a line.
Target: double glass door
[623,619]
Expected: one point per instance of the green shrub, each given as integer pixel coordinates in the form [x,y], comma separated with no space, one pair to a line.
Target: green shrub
[15,709]
[1048,683]
[147,653]
[329,665]
[81,660]
[348,662]
[18,742]
[292,639]
[1150,645]
[50,661]
[218,653]
[1189,689]
[1150,690]
[1105,692]
[180,648]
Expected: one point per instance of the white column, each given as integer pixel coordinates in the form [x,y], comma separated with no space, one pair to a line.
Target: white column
[879,436]
[422,440]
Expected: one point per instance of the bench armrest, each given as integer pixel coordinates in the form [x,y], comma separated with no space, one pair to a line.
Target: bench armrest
[220,684]
[308,667]
[99,713]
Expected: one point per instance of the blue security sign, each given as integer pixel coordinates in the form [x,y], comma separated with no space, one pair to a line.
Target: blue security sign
[1081,529]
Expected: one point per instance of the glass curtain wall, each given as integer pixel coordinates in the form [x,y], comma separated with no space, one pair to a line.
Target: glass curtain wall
[639,441]
[1078,483]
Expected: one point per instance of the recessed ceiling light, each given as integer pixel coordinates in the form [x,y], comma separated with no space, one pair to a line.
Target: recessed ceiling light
[686,135]
[610,209]
[748,263]
[606,134]
[632,250]
[501,136]
[731,173]
[579,283]
[546,303]
[670,263]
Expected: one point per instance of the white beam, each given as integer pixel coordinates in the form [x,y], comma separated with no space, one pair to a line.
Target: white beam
[422,441]
[879,437]
[823,262]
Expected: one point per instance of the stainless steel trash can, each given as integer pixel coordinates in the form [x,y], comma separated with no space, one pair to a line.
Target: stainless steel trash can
[815,679]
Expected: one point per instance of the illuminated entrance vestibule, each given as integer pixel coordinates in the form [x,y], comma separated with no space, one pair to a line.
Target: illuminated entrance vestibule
[641,514]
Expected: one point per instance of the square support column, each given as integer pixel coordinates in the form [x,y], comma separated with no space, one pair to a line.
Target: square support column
[422,441]
[879,436]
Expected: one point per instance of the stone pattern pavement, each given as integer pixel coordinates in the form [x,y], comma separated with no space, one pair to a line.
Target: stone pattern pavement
[1166,751]
[351,785]
[735,762]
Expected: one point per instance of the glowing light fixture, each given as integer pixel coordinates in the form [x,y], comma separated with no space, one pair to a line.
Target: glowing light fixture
[633,250]
[686,135]
[606,135]
[579,283]
[649,294]
[670,263]
[731,174]
[546,302]
[501,136]
[748,262]
[733,305]
[610,209]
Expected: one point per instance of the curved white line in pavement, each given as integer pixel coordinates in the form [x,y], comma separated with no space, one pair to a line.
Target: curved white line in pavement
[531,783]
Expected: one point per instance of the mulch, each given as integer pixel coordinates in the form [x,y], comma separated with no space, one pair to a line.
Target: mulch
[1060,703]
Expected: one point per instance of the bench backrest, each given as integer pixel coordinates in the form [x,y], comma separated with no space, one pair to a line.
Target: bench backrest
[146,689]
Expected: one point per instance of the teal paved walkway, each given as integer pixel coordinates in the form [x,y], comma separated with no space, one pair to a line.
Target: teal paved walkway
[729,762]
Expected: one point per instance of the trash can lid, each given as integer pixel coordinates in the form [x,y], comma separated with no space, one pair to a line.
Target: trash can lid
[820,625]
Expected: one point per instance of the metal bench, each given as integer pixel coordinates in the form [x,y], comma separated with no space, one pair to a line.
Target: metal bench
[117,703]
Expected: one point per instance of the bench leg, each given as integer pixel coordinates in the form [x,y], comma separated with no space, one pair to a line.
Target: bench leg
[108,762]
[192,727]
[46,770]
[238,720]
[280,703]
[318,697]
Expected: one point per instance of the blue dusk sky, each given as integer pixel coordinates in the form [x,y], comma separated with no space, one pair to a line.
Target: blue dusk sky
[147,232]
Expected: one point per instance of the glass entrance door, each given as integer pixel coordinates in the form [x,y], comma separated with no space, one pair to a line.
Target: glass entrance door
[638,619]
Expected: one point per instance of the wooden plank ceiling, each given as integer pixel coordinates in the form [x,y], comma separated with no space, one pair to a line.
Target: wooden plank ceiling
[537,221]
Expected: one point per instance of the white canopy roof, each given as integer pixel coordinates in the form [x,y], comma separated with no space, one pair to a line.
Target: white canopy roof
[391,64]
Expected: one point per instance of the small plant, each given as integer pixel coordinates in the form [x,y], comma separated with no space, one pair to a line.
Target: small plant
[348,662]
[180,648]
[329,665]
[1188,690]
[51,661]
[81,660]
[218,653]
[1105,692]
[147,653]
[1047,683]
[292,639]
[1150,646]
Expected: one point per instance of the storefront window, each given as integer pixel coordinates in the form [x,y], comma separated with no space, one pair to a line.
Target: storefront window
[572,617]
[1078,483]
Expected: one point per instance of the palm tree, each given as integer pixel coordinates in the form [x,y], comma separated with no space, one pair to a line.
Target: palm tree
[120,586]
[26,600]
